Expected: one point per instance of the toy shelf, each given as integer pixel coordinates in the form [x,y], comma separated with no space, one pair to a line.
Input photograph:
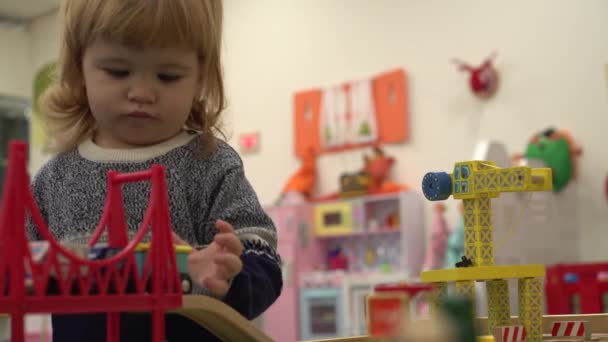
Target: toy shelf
[378,232]
[381,231]
[330,253]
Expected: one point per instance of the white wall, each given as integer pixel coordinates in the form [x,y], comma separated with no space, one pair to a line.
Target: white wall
[43,34]
[15,55]
[551,58]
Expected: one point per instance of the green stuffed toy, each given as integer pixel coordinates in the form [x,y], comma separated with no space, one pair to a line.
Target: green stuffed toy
[556,149]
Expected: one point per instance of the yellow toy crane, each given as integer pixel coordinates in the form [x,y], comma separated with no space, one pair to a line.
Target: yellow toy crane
[476,183]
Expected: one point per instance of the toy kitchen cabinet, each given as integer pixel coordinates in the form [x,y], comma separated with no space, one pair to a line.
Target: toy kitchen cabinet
[324,244]
[299,253]
[381,233]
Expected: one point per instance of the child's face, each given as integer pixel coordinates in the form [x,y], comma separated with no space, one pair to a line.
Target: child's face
[139,97]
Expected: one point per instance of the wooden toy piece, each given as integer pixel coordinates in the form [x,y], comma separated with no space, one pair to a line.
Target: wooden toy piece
[220,319]
[511,333]
[438,329]
[388,313]
[354,184]
[476,183]
[571,328]
[459,313]
[599,322]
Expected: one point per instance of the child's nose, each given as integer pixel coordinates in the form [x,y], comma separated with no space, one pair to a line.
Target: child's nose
[141,92]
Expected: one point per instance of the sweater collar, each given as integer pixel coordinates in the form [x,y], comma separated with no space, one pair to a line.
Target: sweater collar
[89,150]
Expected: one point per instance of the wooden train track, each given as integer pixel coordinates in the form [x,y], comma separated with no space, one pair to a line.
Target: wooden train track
[229,325]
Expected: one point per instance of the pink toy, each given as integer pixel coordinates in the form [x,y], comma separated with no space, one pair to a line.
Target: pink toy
[337,260]
[439,235]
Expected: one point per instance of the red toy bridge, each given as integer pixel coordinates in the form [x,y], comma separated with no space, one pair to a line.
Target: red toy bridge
[86,286]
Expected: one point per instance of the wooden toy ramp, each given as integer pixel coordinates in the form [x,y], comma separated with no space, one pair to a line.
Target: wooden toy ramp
[229,325]
[220,319]
[599,323]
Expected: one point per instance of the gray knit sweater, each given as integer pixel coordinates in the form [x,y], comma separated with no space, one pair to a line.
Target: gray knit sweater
[70,191]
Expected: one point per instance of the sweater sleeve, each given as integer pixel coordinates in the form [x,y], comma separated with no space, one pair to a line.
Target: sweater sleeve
[37,188]
[260,282]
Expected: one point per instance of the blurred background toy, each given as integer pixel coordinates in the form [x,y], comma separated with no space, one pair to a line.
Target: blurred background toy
[372,179]
[336,259]
[555,148]
[378,167]
[300,186]
[483,79]
[354,184]
[455,243]
[436,253]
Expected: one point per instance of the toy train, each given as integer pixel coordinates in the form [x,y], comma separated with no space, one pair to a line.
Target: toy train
[39,250]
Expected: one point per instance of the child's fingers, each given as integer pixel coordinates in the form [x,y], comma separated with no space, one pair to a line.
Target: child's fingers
[230,242]
[197,256]
[229,265]
[217,287]
[223,226]
[178,240]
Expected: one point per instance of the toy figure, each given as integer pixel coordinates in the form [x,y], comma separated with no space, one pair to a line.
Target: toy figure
[354,184]
[556,148]
[372,179]
[464,262]
[378,167]
[303,181]
[437,252]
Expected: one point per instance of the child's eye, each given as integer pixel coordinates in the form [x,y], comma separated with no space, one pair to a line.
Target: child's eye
[168,77]
[117,73]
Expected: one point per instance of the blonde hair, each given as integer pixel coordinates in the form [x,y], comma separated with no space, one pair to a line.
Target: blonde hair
[140,23]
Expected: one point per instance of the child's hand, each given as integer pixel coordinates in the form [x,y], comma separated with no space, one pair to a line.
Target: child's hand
[214,267]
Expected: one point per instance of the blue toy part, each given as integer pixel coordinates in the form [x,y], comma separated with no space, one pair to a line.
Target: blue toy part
[570,278]
[437,186]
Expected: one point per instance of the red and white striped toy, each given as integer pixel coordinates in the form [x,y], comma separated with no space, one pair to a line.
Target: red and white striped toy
[510,333]
[571,328]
